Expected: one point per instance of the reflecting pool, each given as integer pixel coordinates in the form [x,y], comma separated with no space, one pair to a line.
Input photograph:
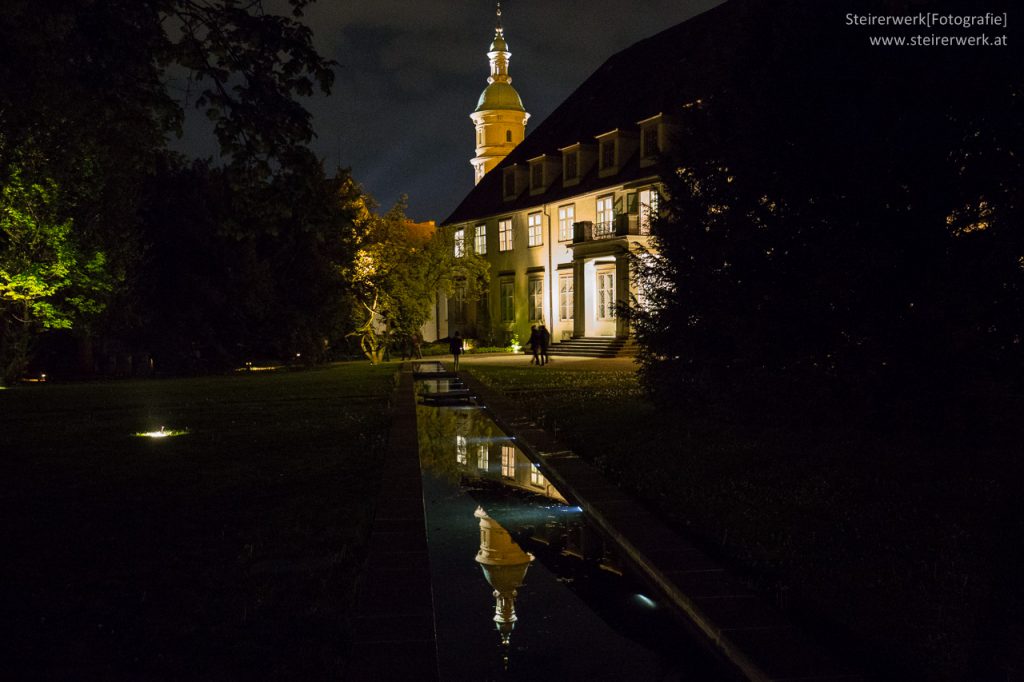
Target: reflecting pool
[523,588]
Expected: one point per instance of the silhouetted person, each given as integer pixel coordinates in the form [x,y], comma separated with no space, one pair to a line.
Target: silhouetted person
[545,341]
[455,346]
[534,345]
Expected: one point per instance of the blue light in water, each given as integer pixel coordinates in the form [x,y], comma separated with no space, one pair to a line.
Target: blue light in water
[644,601]
[574,510]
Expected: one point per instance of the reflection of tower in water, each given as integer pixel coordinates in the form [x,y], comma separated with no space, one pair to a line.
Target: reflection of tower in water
[504,565]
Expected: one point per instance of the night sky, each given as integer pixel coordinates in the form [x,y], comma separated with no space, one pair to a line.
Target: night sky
[409,74]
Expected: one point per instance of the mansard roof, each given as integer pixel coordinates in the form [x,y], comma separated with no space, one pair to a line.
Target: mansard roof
[658,75]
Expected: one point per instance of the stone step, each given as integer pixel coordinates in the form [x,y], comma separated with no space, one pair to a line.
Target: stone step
[593,347]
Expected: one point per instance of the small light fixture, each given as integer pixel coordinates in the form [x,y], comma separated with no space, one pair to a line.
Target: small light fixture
[164,432]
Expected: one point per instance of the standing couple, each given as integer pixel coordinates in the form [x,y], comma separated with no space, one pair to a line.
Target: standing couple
[540,339]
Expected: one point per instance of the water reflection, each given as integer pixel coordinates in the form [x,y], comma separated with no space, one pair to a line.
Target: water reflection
[463,444]
[504,564]
[477,482]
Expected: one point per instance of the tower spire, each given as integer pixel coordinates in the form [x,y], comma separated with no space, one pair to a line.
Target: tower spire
[499,117]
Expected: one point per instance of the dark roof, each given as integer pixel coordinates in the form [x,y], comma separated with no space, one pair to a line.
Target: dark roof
[656,75]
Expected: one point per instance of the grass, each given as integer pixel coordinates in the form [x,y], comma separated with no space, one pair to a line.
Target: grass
[899,551]
[230,551]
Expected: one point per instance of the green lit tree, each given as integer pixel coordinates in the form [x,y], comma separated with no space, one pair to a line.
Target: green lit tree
[46,280]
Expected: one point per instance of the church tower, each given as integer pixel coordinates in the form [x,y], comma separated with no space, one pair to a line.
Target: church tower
[499,118]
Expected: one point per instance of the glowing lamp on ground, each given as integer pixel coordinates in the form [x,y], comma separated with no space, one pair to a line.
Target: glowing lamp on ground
[162,433]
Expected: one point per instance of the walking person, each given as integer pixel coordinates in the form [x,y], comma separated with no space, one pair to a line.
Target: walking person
[545,341]
[417,343]
[534,345]
[455,346]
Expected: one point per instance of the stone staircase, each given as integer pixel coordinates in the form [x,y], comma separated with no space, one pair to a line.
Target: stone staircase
[594,347]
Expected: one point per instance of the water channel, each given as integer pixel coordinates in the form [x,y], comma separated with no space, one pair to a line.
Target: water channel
[523,587]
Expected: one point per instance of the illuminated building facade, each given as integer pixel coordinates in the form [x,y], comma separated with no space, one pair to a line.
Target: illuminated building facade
[559,215]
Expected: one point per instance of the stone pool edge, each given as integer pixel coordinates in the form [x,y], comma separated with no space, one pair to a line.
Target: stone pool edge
[393,621]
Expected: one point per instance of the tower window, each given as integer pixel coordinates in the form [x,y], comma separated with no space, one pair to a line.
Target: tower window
[508,136]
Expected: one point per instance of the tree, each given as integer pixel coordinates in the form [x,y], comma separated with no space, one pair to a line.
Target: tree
[45,279]
[86,96]
[400,269]
[839,224]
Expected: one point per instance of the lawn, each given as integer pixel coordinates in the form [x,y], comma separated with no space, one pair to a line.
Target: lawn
[900,551]
[229,552]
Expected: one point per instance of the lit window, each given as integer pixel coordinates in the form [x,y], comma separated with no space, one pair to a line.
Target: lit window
[460,243]
[566,218]
[505,292]
[460,449]
[481,457]
[533,233]
[565,297]
[648,209]
[536,299]
[508,461]
[505,235]
[536,478]
[605,224]
[480,240]
[605,295]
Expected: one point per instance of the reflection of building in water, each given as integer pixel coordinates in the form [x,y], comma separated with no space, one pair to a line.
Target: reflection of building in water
[495,456]
[504,565]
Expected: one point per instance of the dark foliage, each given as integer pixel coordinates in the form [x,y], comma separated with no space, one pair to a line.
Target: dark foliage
[843,223]
[237,273]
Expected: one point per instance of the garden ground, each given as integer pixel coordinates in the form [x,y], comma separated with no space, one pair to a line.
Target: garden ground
[229,552]
[896,549]
[234,550]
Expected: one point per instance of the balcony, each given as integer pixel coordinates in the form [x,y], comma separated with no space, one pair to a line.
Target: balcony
[624,225]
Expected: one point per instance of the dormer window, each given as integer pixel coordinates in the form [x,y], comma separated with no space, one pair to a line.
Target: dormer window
[571,165]
[614,149]
[515,178]
[649,147]
[510,182]
[652,139]
[544,170]
[607,154]
[577,159]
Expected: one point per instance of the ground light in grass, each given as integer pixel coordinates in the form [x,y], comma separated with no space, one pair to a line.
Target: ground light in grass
[249,367]
[162,433]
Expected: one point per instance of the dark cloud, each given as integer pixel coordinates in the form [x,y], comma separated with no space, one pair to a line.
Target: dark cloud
[410,73]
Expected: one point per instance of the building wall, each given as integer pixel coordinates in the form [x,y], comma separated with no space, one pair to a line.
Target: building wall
[548,262]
